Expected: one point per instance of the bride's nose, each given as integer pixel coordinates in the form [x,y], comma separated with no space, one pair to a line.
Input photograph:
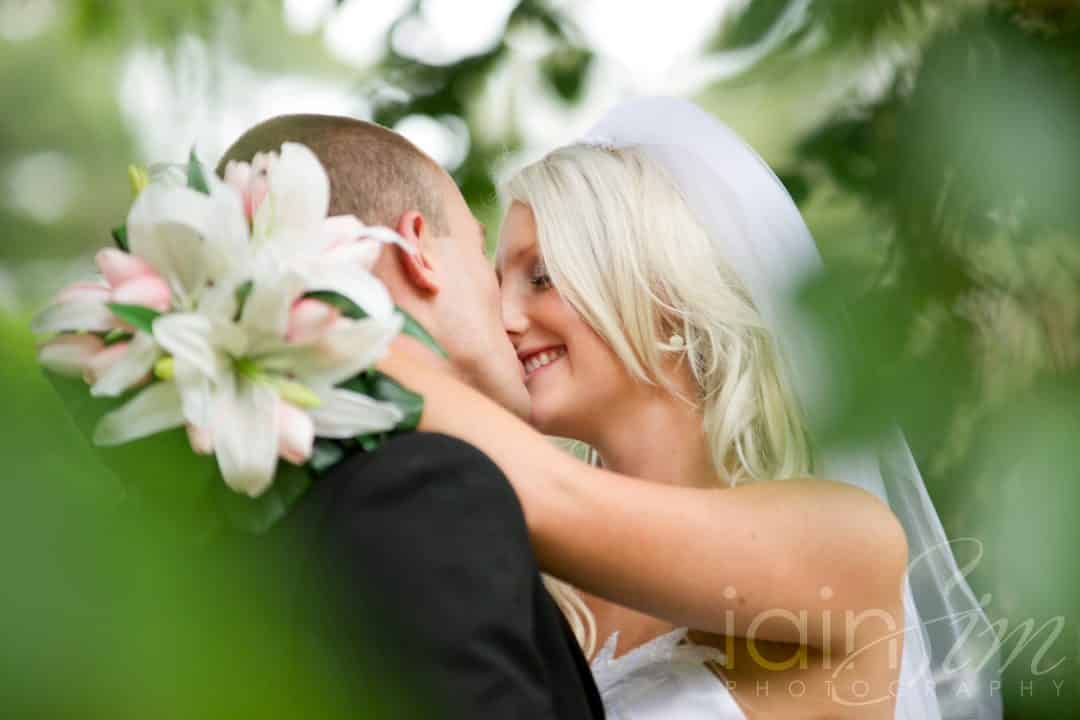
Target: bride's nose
[515,322]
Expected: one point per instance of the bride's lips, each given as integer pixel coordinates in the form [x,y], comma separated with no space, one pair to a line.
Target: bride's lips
[536,360]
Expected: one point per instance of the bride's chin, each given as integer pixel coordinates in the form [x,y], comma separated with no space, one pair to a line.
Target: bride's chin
[548,420]
[538,418]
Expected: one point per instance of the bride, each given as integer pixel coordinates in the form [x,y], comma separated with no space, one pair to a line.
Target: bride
[712,561]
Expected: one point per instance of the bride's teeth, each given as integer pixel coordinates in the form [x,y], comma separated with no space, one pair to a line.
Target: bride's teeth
[545,358]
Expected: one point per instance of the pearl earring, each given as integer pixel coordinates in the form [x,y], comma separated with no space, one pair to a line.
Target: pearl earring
[676,341]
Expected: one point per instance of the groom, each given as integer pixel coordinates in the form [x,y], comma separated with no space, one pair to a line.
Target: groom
[426,531]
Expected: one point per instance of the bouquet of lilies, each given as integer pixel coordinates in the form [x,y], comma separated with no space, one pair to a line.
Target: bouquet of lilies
[238,311]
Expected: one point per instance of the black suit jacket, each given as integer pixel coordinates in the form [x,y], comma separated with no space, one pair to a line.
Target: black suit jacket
[423,551]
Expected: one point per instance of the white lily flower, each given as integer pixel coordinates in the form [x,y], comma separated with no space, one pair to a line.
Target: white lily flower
[291,229]
[191,239]
[230,376]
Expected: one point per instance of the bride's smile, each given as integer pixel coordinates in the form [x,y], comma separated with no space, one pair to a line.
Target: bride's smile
[536,360]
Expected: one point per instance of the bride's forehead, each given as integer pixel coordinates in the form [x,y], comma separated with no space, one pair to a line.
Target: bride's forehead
[517,236]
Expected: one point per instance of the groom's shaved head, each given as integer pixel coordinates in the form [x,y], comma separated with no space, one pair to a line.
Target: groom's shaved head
[375,173]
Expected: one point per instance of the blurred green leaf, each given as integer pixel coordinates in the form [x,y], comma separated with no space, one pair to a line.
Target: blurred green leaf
[565,69]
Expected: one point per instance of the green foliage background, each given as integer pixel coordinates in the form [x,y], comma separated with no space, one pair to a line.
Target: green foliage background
[934,147]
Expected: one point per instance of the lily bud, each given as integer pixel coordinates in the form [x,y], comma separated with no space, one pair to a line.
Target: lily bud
[201,441]
[118,266]
[139,179]
[165,368]
[147,290]
[296,434]
[296,394]
[255,195]
[96,367]
[310,319]
[249,182]
[68,354]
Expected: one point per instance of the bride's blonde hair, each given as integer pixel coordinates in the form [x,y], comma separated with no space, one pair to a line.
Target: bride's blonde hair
[623,248]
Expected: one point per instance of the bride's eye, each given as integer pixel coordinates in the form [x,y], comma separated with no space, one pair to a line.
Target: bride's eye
[539,277]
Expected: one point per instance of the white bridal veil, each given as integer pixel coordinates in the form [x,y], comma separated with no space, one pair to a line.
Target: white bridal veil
[949,667]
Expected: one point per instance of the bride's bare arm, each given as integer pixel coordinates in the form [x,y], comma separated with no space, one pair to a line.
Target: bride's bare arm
[716,560]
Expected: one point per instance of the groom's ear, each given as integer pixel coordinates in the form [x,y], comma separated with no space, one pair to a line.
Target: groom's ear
[417,265]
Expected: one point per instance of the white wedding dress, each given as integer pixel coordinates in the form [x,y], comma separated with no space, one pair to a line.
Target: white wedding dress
[662,680]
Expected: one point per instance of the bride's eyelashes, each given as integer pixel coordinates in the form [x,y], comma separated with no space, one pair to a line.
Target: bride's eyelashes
[539,277]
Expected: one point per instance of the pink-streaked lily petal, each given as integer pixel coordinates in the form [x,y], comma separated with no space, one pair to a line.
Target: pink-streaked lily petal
[118,267]
[249,183]
[357,255]
[187,337]
[68,354]
[363,288]
[148,290]
[84,292]
[356,347]
[153,410]
[350,347]
[202,443]
[74,316]
[245,434]
[296,434]
[345,414]
[341,229]
[310,320]
[97,366]
[167,227]
[117,369]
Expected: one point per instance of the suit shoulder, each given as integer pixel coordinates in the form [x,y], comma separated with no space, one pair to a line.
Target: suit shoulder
[420,449]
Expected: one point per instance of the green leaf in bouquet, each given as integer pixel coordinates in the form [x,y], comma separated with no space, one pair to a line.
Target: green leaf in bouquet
[119,236]
[196,174]
[117,336]
[325,455]
[347,307]
[160,472]
[416,330]
[372,441]
[136,315]
[384,388]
